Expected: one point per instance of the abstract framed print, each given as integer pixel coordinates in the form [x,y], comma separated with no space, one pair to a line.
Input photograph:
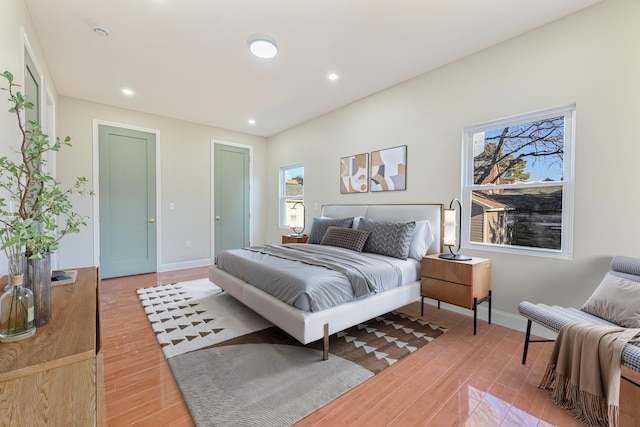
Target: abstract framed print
[354,174]
[389,169]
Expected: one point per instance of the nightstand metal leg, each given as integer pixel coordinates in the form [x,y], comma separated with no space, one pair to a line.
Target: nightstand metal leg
[422,308]
[489,306]
[476,301]
[475,313]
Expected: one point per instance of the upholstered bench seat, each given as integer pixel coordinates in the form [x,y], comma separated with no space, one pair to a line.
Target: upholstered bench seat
[555,317]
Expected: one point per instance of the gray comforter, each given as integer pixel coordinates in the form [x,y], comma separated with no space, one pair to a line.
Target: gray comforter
[310,277]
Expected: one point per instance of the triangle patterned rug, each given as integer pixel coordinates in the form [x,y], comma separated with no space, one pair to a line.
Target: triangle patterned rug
[234,367]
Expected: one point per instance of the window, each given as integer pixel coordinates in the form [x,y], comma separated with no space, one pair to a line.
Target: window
[518,184]
[291,192]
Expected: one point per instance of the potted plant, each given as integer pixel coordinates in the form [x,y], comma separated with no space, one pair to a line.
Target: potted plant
[35,212]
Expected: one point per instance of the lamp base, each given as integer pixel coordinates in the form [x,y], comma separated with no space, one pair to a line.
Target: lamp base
[455,257]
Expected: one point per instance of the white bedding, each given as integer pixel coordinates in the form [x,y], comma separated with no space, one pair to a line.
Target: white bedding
[308,326]
[315,277]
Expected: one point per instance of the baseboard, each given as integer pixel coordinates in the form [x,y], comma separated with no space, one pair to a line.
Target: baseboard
[184,265]
[502,318]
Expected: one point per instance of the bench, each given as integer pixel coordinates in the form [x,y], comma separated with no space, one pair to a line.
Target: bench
[555,317]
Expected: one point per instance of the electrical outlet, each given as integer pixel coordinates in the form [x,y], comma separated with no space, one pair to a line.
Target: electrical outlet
[187,244]
[172,206]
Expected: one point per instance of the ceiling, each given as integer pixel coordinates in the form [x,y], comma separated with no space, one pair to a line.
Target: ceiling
[189,59]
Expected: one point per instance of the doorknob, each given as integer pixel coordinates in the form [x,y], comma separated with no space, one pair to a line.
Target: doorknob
[218,218]
[151,220]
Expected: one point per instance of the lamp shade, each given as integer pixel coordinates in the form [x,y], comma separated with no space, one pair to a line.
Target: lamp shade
[449,238]
[449,233]
[297,219]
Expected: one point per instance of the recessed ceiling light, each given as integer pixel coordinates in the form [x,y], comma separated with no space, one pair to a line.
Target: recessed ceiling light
[332,76]
[262,47]
[127,91]
[252,122]
[100,30]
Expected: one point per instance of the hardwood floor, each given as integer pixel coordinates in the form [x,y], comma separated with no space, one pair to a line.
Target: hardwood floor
[459,379]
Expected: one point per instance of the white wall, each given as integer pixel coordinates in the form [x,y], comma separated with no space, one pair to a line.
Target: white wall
[185,164]
[591,58]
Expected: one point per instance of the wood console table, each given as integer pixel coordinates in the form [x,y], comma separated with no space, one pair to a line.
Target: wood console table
[55,378]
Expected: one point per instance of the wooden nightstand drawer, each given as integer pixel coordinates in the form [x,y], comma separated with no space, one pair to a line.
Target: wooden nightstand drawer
[453,293]
[292,238]
[465,272]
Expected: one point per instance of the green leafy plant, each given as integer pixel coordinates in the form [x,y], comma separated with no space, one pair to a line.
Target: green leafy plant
[35,213]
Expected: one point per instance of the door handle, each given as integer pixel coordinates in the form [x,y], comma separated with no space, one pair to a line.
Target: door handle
[218,218]
[152,220]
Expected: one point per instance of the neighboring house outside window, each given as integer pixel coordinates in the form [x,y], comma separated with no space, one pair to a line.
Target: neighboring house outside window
[291,192]
[518,184]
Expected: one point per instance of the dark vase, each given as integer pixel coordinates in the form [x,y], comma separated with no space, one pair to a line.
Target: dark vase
[37,278]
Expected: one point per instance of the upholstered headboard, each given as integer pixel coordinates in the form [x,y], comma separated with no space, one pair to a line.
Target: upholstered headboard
[414,212]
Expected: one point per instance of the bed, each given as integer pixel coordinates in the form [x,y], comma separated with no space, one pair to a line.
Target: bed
[307,322]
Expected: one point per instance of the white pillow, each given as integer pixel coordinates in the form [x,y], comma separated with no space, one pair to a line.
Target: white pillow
[617,300]
[421,240]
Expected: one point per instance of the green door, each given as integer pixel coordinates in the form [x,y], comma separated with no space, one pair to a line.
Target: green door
[231,197]
[127,194]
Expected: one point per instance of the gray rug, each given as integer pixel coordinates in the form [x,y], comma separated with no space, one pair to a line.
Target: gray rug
[234,368]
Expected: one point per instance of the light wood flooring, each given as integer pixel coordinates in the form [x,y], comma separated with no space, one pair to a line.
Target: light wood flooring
[459,379]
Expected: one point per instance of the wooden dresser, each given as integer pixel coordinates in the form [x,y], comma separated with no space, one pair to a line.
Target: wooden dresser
[55,378]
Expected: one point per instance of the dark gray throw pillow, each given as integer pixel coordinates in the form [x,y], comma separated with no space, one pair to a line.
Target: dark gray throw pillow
[387,237]
[347,238]
[320,226]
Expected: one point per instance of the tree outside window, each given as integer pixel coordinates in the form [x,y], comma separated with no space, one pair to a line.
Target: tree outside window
[518,183]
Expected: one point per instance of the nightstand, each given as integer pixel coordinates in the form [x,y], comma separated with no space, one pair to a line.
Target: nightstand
[294,238]
[461,283]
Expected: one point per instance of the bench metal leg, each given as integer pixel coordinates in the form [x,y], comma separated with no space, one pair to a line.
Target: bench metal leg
[526,342]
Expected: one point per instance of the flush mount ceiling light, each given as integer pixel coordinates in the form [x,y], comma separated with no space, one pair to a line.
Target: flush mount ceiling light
[127,91]
[263,47]
[332,76]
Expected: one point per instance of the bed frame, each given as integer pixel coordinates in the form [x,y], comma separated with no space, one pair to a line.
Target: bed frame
[308,327]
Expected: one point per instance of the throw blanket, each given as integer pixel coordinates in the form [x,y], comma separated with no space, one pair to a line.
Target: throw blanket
[583,375]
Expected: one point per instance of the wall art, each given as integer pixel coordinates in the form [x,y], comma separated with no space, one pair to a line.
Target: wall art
[389,169]
[354,174]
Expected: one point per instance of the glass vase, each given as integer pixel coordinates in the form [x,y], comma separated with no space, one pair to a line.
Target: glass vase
[16,311]
[37,277]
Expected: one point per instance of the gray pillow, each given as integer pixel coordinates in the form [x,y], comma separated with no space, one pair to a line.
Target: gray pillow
[387,237]
[617,300]
[347,238]
[320,226]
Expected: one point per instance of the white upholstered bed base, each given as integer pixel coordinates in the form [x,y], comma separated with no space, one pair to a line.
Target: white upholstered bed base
[306,326]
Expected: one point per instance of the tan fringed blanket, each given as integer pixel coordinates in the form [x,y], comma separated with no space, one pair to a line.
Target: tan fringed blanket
[583,375]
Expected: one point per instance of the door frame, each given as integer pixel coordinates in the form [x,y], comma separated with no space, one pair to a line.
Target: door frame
[212,201]
[96,187]
[46,106]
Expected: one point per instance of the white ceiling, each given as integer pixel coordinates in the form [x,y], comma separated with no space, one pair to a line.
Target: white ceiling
[188,59]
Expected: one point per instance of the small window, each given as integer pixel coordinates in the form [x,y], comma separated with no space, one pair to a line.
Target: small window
[518,184]
[291,192]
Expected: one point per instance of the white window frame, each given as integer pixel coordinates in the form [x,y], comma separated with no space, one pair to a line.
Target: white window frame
[566,250]
[283,198]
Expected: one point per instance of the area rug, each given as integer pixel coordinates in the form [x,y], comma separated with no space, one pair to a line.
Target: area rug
[235,368]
